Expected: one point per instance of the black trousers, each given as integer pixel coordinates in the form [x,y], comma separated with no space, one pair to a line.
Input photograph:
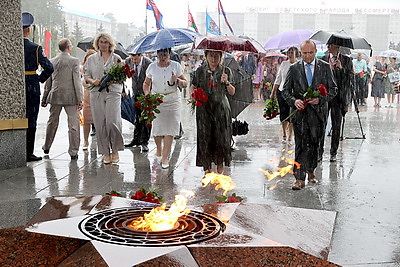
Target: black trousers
[32,112]
[307,134]
[359,87]
[336,120]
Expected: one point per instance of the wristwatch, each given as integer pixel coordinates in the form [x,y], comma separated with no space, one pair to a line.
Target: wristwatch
[228,83]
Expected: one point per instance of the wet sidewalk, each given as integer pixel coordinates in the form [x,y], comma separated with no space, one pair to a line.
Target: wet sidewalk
[361,186]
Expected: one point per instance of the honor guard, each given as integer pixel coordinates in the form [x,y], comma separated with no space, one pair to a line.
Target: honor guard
[34,57]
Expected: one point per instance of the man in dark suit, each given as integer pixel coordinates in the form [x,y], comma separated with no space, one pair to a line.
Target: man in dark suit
[34,57]
[141,134]
[342,68]
[309,122]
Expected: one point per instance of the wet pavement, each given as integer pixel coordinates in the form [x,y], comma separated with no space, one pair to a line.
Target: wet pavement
[362,186]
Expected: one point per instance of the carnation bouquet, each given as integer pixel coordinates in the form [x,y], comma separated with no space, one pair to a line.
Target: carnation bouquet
[148,104]
[199,97]
[310,93]
[271,109]
[117,74]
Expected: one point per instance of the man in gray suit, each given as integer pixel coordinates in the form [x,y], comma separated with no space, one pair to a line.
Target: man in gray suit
[309,122]
[64,90]
[141,134]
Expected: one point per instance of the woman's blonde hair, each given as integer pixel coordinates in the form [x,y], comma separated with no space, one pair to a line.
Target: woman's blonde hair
[106,36]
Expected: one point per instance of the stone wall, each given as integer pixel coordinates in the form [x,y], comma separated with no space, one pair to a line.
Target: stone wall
[12,87]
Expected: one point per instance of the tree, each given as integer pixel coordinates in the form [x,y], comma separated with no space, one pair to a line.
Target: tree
[113,21]
[47,14]
[100,29]
[64,30]
[76,36]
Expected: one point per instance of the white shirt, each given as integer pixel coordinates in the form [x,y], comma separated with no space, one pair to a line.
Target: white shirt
[282,73]
[160,76]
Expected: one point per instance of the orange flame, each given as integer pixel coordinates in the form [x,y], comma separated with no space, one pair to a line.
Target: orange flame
[221,181]
[159,219]
[282,171]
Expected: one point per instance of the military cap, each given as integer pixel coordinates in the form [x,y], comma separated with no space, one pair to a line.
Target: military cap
[27,19]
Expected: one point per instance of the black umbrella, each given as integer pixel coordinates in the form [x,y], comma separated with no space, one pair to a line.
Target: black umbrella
[242,81]
[341,38]
[87,43]
[128,108]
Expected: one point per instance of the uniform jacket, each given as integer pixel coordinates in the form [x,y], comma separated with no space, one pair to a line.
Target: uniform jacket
[296,85]
[64,86]
[34,56]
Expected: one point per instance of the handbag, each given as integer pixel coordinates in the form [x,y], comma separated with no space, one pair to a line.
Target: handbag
[394,77]
[239,128]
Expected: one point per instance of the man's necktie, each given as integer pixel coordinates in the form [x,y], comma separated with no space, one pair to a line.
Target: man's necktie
[309,74]
[136,71]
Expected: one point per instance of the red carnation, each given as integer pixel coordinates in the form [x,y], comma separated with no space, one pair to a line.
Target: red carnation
[139,194]
[159,100]
[118,60]
[148,108]
[148,124]
[198,104]
[114,195]
[232,199]
[138,105]
[151,113]
[322,90]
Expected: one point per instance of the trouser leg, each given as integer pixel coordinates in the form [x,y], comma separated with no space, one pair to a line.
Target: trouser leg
[336,118]
[73,129]
[52,126]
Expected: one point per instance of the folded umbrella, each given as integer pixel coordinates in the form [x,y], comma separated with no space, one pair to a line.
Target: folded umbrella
[128,108]
[161,39]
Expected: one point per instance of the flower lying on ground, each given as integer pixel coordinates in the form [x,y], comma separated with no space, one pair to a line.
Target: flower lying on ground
[114,193]
[117,74]
[199,97]
[229,199]
[310,93]
[151,196]
[271,109]
[149,106]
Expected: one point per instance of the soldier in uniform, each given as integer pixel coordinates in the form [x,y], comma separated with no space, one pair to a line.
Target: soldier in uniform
[34,57]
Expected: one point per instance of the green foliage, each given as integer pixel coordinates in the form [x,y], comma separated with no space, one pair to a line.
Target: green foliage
[230,199]
[148,104]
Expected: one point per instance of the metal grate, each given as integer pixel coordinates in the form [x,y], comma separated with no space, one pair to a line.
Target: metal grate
[110,226]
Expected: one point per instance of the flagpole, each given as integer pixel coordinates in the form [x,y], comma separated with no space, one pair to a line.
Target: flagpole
[219,20]
[145,20]
[206,22]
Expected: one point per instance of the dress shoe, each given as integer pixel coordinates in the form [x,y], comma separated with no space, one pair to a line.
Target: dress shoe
[132,143]
[74,157]
[311,178]
[299,184]
[145,148]
[115,157]
[33,158]
[333,158]
[46,151]
[107,159]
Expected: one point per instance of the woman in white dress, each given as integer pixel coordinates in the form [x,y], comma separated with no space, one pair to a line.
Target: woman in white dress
[106,104]
[284,108]
[164,77]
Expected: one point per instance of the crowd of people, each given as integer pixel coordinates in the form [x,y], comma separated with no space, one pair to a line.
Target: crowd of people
[75,86]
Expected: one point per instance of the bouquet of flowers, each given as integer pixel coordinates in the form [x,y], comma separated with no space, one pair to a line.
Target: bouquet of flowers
[117,74]
[310,93]
[271,109]
[148,104]
[199,97]
[229,199]
[114,193]
[151,196]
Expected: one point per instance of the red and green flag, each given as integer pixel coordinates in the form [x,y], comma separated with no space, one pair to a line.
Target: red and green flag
[191,22]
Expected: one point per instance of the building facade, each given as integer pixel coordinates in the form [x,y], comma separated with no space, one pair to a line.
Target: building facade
[379,26]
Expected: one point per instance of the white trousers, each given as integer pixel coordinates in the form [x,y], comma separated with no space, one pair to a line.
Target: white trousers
[106,112]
